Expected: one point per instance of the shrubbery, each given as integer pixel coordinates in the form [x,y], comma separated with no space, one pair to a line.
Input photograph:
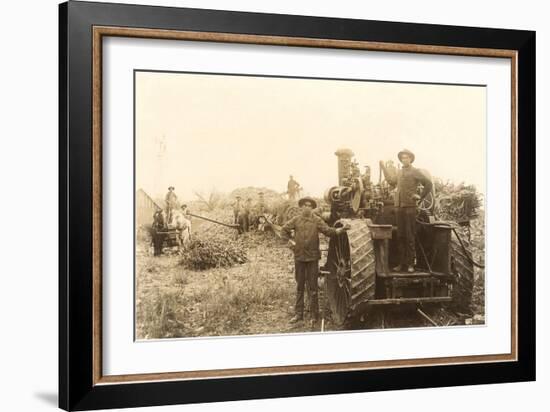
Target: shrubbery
[203,254]
[457,202]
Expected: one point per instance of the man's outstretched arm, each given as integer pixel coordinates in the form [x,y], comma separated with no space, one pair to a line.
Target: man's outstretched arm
[288,227]
[327,230]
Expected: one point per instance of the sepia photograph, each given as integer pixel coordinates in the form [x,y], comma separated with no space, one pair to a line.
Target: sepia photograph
[260,205]
[275,205]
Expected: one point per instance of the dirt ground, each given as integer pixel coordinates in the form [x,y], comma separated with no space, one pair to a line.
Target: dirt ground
[256,297]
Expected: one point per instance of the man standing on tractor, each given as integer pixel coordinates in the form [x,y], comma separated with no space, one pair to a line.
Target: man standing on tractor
[408,178]
[171,203]
[293,188]
[305,245]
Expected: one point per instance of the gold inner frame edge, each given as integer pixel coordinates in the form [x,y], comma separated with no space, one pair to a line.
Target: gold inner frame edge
[100,31]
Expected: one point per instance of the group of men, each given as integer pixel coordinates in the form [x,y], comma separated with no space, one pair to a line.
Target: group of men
[245,214]
[307,226]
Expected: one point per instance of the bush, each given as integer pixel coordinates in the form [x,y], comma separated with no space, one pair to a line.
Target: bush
[203,254]
[457,202]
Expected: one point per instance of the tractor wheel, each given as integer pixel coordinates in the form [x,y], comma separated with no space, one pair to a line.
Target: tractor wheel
[351,265]
[463,269]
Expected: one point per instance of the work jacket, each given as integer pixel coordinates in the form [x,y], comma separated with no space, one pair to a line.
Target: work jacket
[306,236]
[408,179]
[171,200]
[292,186]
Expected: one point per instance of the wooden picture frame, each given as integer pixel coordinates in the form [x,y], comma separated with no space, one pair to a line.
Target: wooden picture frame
[83,26]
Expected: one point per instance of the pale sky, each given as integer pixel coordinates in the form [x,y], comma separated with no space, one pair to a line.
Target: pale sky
[224,132]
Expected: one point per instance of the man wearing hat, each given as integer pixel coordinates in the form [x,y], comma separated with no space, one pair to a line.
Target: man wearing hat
[261,210]
[236,209]
[184,209]
[293,188]
[261,203]
[306,228]
[408,178]
[247,209]
[171,203]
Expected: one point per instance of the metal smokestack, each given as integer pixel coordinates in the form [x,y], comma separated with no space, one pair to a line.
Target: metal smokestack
[344,164]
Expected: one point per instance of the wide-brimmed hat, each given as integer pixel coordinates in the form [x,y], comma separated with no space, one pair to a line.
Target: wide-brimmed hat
[405,151]
[171,188]
[307,199]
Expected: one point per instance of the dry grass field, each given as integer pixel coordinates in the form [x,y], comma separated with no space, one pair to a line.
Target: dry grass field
[256,297]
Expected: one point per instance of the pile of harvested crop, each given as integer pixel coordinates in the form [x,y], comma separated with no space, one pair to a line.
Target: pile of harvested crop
[457,202]
[203,254]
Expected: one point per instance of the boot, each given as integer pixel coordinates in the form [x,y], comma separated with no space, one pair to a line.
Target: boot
[398,268]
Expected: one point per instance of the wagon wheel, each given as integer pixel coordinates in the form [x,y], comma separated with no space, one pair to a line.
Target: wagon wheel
[427,203]
[351,266]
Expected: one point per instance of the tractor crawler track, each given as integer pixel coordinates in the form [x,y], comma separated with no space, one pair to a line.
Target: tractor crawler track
[351,263]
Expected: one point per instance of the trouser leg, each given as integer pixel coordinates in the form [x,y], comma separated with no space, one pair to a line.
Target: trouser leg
[247,222]
[157,244]
[401,237]
[409,229]
[169,216]
[411,235]
[312,272]
[300,275]
[406,231]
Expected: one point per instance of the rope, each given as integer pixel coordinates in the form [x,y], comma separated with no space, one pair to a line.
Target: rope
[467,252]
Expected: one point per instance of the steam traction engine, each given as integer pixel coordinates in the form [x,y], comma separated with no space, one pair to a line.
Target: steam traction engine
[357,270]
